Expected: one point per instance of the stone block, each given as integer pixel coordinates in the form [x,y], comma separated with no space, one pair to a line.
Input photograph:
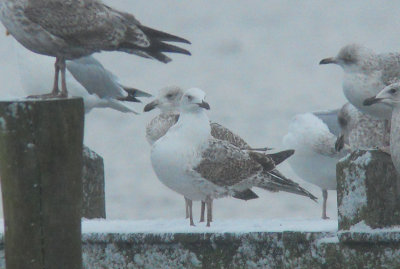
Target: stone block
[368,190]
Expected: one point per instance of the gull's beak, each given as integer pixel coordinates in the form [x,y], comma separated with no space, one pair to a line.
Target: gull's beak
[7,33]
[204,105]
[371,101]
[328,61]
[150,106]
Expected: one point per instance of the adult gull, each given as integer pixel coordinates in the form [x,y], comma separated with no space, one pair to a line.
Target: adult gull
[190,161]
[365,74]
[86,78]
[70,29]
[313,137]
[390,95]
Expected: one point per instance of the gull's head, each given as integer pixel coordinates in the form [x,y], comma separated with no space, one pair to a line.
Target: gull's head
[193,101]
[390,95]
[168,100]
[350,57]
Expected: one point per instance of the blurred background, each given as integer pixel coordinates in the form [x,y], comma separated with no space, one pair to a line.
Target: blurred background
[258,63]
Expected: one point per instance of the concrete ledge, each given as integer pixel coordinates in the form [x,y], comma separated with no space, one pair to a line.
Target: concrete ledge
[267,244]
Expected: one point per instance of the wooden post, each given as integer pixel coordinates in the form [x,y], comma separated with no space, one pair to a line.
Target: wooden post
[41,168]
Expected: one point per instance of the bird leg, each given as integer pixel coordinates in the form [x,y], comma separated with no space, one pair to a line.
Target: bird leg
[209,210]
[64,91]
[203,207]
[325,197]
[55,92]
[187,207]
[190,203]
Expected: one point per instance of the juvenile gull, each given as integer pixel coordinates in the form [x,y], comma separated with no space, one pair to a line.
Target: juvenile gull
[365,74]
[70,29]
[168,102]
[390,96]
[190,161]
[313,137]
[86,77]
[361,131]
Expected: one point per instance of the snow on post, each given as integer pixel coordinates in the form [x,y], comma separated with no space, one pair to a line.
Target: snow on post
[368,190]
[41,178]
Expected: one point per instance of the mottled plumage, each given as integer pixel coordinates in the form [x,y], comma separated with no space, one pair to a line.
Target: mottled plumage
[361,131]
[70,29]
[190,161]
[365,74]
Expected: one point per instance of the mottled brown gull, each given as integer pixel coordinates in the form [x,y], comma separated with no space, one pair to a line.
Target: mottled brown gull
[190,161]
[70,29]
[167,102]
[390,96]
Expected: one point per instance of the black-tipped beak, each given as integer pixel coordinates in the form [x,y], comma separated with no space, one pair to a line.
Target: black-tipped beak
[328,61]
[371,101]
[150,106]
[204,105]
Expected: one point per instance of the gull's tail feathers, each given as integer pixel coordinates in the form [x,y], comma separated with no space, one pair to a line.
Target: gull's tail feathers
[245,195]
[133,95]
[157,46]
[275,181]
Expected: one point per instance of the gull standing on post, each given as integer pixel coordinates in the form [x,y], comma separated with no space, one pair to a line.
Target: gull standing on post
[390,96]
[70,29]
[86,77]
[313,137]
[190,161]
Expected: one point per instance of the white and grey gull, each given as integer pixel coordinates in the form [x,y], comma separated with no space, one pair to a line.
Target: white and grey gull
[71,29]
[86,78]
[365,74]
[313,137]
[190,161]
[390,95]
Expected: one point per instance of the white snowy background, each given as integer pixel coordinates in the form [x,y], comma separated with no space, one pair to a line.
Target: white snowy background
[258,62]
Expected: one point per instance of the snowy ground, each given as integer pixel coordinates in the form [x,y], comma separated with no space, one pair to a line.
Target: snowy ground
[218,226]
[257,61]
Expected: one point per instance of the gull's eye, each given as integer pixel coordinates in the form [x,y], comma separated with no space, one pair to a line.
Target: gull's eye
[190,98]
[170,95]
[392,91]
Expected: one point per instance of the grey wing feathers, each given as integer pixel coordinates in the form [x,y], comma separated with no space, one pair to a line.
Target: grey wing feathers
[226,165]
[95,78]
[330,118]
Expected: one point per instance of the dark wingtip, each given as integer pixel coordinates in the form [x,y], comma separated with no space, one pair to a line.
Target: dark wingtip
[163,36]
[281,156]
[339,144]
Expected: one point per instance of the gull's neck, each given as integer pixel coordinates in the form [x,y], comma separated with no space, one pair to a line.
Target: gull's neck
[194,126]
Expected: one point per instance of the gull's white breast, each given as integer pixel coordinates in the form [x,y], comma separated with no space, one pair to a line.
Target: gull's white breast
[358,86]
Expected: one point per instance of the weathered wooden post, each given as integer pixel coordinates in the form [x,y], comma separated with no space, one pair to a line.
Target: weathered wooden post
[41,168]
